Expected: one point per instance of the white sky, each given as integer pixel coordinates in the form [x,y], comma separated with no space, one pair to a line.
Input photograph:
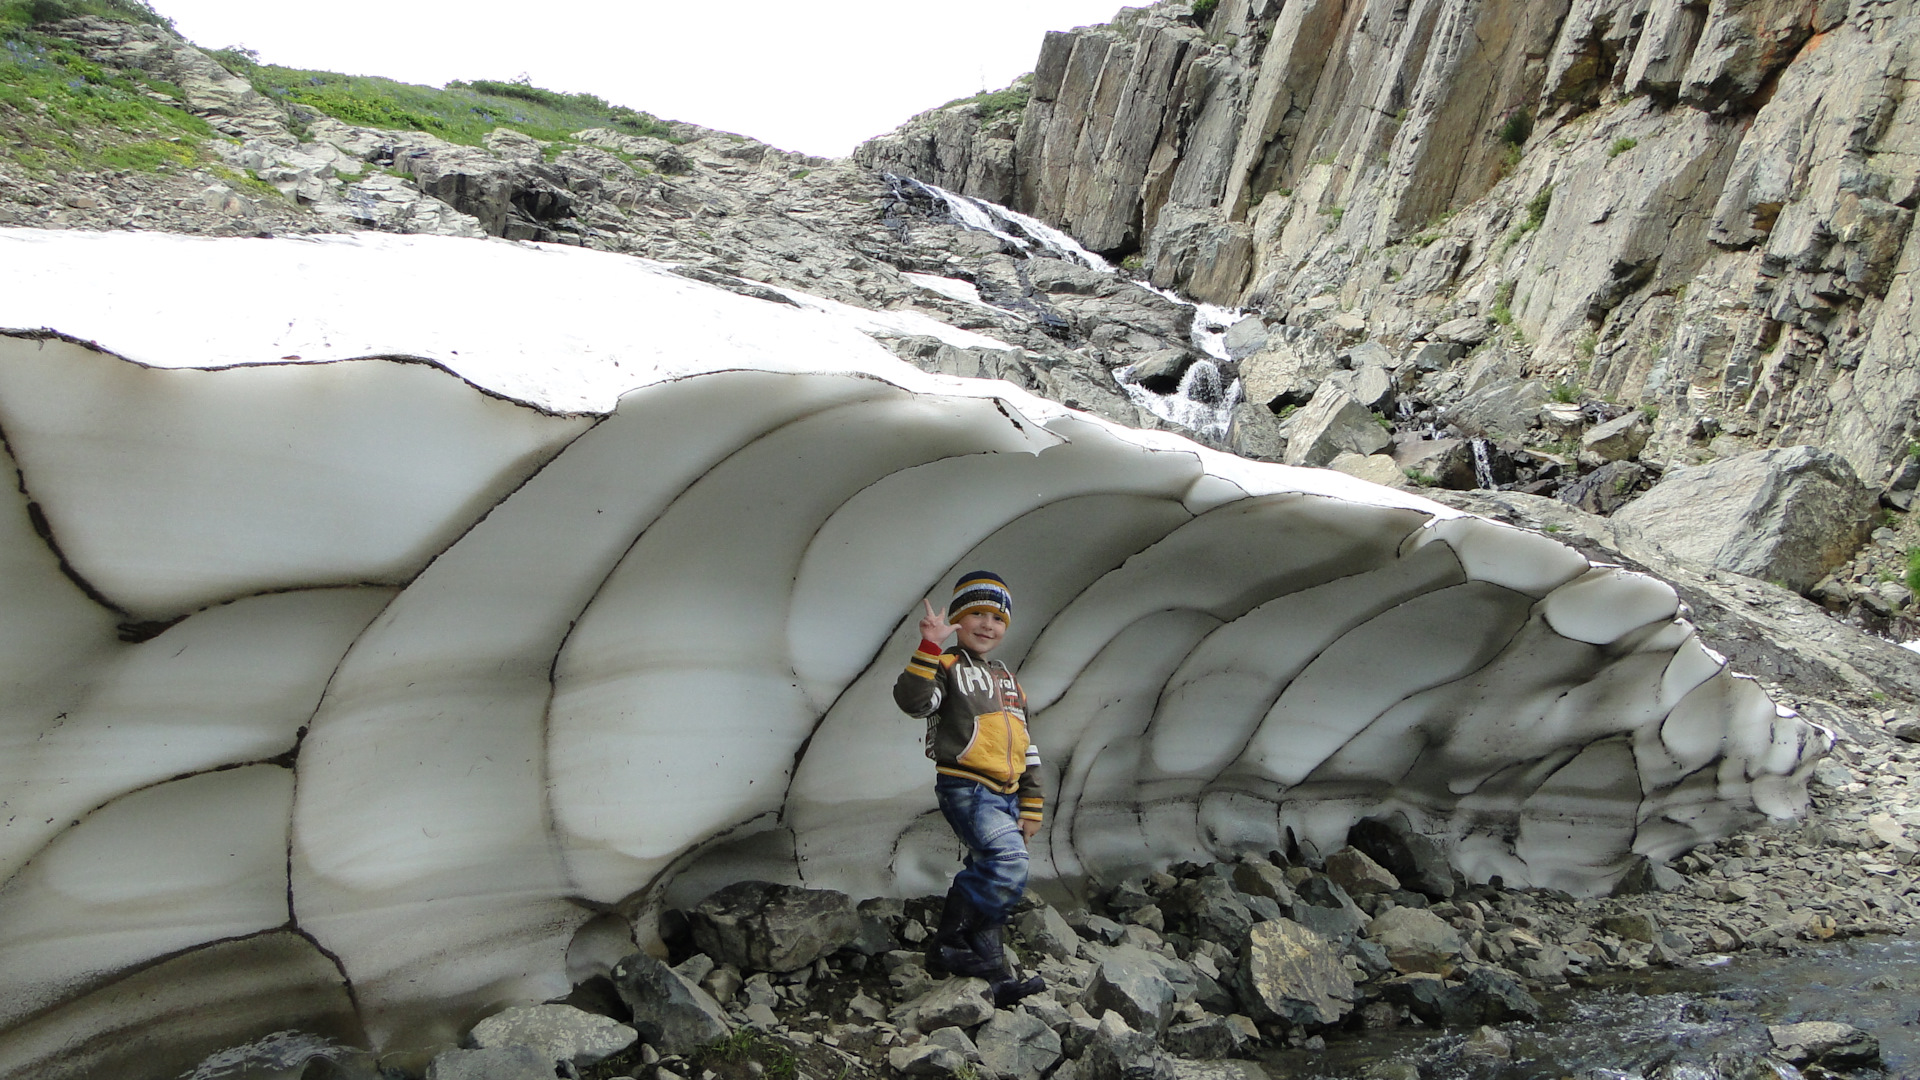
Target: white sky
[815,77]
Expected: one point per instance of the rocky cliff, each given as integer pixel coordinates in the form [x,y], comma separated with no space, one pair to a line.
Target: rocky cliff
[1702,209]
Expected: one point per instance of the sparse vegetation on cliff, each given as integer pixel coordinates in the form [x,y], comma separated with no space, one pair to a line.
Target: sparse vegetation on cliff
[463,112]
[17,15]
[995,103]
[60,111]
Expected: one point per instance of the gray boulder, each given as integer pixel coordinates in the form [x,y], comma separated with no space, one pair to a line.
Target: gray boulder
[1045,929]
[1128,983]
[1486,996]
[1417,860]
[561,1032]
[1615,440]
[1291,974]
[1211,1037]
[1787,515]
[673,1015]
[1607,488]
[1832,1045]
[1352,870]
[1245,337]
[1208,907]
[1501,409]
[1115,1051]
[1416,940]
[495,1063]
[1326,909]
[1017,1045]
[1334,421]
[1258,877]
[760,926]
[1446,463]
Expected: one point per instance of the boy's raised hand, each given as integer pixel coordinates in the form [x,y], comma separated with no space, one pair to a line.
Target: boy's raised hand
[934,626]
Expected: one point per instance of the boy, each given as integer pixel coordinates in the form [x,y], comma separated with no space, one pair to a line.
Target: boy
[987,776]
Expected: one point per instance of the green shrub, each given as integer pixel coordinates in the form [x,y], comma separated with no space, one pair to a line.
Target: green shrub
[18,15]
[993,103]
[1566,393]
[1517,128]
[1913,570]
[1203,9]
[1621,146]
[1537,209]
[1502,311]
[237,58]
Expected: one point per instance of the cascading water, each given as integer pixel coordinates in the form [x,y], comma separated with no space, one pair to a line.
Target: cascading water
[1482,463]
[1204,400]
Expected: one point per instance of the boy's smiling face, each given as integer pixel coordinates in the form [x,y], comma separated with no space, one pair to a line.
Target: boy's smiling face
[980,631]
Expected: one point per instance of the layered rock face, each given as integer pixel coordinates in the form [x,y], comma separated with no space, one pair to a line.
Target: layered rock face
[1702,208]
[362,644]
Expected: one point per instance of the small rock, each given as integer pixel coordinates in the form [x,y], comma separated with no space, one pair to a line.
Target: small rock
[1488,1043]
[958,1002]
[1017,1045]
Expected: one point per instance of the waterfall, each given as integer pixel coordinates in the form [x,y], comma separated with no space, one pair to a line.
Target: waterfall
[1482,463]
[1203,403]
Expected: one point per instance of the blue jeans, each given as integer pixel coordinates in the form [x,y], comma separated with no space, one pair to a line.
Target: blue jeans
[995,874]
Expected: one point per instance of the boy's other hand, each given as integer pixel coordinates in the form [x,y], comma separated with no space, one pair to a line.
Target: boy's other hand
[1028,829]
[934,625]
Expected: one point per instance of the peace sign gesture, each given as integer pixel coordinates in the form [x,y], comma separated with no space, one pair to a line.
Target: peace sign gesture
[934,626]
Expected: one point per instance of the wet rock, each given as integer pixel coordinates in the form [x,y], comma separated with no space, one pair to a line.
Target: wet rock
[1487,1042]
[1418,861]
[760,926]
[1017,1045]
[1786,515]
[1485,996]
[561,1032]
[1833,1045]
[1416,940]
[1294,975]
[1353,871]
[670,1013]
[956,1002]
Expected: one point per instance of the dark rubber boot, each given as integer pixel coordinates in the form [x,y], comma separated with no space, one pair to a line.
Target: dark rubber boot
[950,944]
[990,955]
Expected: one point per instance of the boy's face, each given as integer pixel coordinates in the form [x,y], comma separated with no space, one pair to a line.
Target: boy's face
[980,631]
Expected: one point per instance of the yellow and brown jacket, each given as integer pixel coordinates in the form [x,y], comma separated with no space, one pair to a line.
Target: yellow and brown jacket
[976,717]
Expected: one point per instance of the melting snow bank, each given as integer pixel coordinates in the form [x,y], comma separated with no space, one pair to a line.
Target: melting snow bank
[1914,645]
[338,690]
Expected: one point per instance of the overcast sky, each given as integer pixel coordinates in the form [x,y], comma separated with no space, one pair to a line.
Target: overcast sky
[815,77]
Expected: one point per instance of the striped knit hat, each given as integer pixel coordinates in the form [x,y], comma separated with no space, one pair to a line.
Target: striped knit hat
[980,590]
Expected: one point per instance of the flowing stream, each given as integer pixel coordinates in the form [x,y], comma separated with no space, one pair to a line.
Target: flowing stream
[1204,400]
[1691,1023]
